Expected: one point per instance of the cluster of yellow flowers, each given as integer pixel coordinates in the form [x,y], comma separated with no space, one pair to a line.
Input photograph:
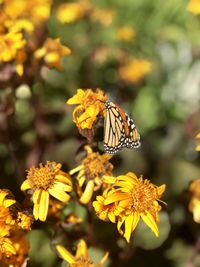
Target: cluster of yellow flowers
[14,223]
[125,198]
[20,25]
[122,200]
[74,11]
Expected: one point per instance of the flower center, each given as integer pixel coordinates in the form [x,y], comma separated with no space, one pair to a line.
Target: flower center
[82,262]
[143,196]
[42,177]
[96,165]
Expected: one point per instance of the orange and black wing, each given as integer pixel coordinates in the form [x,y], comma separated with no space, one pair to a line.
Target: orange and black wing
[119,130]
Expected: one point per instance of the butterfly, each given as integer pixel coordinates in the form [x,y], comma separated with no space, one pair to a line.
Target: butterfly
[119,129]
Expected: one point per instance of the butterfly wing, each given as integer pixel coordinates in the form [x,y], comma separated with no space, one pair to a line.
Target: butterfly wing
[119,130]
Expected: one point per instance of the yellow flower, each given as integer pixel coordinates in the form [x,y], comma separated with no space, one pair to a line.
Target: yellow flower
[194,6]
[71,12]
[21,247]
[91,172]
[90,105]
[194,205]
[21,25]
[24,220]
[10,44]
[52,53]
[36,11]
[198,142]
[6,246]
[126,33]
[81,258]
[135,70]
[47,180]
[127,200]
[103,16]
[5,204]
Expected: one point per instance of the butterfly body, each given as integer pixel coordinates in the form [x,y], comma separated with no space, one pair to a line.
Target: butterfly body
[119,130]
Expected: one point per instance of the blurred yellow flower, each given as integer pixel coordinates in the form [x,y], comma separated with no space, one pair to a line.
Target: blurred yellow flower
[198,142]
[36,11]
[194,6]
[103,16]
[81,259]
[127,200]
[135,70]
[5,203]
[24,220]
[90,105]
[126,33]
[6,246]
[47,180]
[52,53]
[71,12]
[10,44]
[21,247]
[194,205]
[91,172]
[21,25]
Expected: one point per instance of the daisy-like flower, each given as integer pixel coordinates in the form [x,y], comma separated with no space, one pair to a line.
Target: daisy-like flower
[127,200]
[198,142]
[126,33]
[5,204]
[21,247]
[81,258]
[10,44]
[71,12]
[52,53]
[135,70]
[91,172]
[194,6]
[6,246]
[24,220]
[47,180]
[90,105]
[194,205]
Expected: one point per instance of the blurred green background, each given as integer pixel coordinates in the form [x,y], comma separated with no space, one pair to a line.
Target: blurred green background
[165,106]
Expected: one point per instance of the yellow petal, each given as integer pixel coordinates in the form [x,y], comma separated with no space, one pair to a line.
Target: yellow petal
[2,197]
[161,189]
[111,217]
[36,196]
[59,194]
[81,181]
[150,221]
[76,99]
[36,211]
[25,185]
[63,179]
[130,223]
[103,259]
[8,202]
[196,214]
[87,194]
[43,205]
[65,254]
[81,249]
[63,187]
[9,247]
[116,197]
[77,169]
[119,225]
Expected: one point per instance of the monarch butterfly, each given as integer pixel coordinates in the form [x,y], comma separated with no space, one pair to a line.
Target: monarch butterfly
[119,129]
